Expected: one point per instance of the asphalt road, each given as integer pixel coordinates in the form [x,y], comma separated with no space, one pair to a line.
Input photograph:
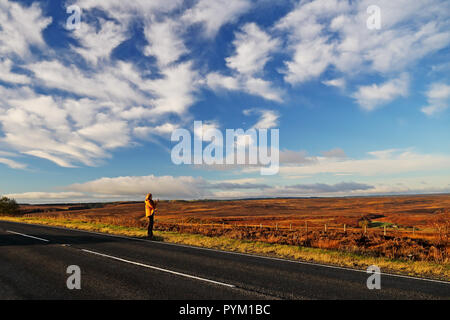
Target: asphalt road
[34,261]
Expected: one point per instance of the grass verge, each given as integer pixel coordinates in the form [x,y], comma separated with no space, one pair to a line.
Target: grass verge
[332,257]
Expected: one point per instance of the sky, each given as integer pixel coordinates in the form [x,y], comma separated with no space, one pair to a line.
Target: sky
[359,91]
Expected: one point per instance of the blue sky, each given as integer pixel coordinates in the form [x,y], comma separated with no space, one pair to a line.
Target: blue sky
[87,114]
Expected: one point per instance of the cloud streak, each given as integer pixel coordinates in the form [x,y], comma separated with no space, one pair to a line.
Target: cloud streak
[438,97]
[374,96]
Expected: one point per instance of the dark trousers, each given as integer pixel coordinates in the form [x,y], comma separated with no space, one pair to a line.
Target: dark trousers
[150,226]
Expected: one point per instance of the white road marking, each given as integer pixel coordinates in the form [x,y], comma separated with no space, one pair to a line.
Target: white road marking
[28,236]
[159,269]
[235,253]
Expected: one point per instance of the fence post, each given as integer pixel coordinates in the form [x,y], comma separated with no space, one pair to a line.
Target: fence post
[414,229]
[260,225]
[365,230]
[276,226]
[325,227]
[290,226]
[306,227]
[384,232]
[345,228]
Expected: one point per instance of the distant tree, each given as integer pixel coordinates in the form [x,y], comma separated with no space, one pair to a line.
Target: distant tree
[8,206]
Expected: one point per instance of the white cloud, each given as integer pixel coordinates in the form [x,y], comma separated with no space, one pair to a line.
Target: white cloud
[162,130]
[162,186]
[384,154]
[253,49]
[98,44]
[174,93]
[13,164]
[438,97]
[334,153]
[44,196]
[106,83]
[164,41]
[310,60]
[7,75]
[59,160]
[268,118]
[137,113]
[381,163]
[7,154]
[21,27]
[126,11]
[339,83]
[114,98]
[109,133]
[337,36]
[217,81]
[38,125]
[102,107]
[202,132]
[254,86]
[263,88]
[374,96]
[310,12]
[213,14]
[312,50]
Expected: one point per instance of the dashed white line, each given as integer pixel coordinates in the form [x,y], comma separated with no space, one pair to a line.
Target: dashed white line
[28,236]
[159,269]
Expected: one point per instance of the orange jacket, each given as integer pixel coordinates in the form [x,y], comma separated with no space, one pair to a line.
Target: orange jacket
[149,206]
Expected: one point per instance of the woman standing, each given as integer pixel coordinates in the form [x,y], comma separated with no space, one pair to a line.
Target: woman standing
[150,208]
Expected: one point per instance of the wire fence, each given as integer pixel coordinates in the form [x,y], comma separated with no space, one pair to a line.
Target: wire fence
[384,230]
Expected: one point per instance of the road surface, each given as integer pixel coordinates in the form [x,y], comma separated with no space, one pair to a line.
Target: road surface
[34,261]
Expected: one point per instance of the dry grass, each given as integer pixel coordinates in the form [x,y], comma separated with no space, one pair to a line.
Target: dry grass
[421,212]
[429,215]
